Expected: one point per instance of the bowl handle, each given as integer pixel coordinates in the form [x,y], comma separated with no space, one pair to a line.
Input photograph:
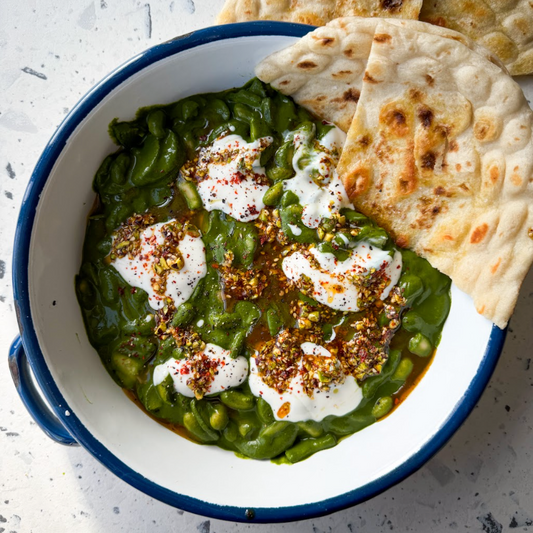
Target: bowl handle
[32,399]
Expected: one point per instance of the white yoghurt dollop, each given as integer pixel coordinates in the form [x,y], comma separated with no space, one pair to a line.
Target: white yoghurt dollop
[295,405]
[331,283]
[230,186]
[229,372]
[180,284]
[334,139]
[318,201]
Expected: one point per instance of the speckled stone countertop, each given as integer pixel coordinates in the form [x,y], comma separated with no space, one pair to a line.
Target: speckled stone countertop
[51,53]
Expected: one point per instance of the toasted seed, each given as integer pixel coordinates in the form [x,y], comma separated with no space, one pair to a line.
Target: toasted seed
[314,316]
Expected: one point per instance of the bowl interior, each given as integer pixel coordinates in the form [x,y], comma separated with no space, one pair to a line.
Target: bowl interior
[102,408]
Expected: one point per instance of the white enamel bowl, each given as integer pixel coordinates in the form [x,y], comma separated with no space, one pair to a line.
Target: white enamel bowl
[92,411]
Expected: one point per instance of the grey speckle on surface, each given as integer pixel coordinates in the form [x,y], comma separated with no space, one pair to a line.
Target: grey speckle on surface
[440,471]
[187,5]
[17,121]
[8,195]
[521,519]
[116,510]
[148,20]
[10,171]
[490,524]
[474,467]
[32,72]
[2,268]
[87,19]
[204,527]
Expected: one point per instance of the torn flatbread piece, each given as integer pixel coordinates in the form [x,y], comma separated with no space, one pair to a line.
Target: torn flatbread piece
[504,26]
[440,154]
[315,12]
[323,71]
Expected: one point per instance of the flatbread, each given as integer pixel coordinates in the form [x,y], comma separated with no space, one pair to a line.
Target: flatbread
[440,154]
[504,26]
[324,70]
[315,12]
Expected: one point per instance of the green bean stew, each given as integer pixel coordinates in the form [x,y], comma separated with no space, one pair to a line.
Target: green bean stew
[254,291]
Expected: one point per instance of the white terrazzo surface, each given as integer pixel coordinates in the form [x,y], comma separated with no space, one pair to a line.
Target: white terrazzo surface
[51,53]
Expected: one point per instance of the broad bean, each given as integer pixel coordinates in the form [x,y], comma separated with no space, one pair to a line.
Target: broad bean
[152,400]
[419,345]
[277,174]
[372,384]
[184,315]
[382,406]
[237,344]
[237,400]
[308,447]
[267,111]
[156,123]
[127,368]
[109,283]
[189,109]
[231,432]
[264,411]
[289,198]
[219,416]
[411,286]
[245,97]
[258,129]
[285,114]
[284,155]
[244,113]
[348,424]
[226,320]
[273,194]
[86,293]
[272,441]
[310,428]
[166,390]
[196,409]
[220,108]
[354,217]
[256,86]
[191,424]
[403,371]
[413,322]
[274,322]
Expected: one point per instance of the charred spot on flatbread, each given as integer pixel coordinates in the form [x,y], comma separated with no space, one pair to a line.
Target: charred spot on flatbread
[426,116]
[478,234]
[428,161]
[306,65]
[382,38]
[358,181]
[395,119]
[392,6]
[351,95]
[369,79]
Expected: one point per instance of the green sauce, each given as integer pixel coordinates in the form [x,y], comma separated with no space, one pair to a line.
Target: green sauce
[143,176]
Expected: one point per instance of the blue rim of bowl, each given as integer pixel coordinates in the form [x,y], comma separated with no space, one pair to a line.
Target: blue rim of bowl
[55,398]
